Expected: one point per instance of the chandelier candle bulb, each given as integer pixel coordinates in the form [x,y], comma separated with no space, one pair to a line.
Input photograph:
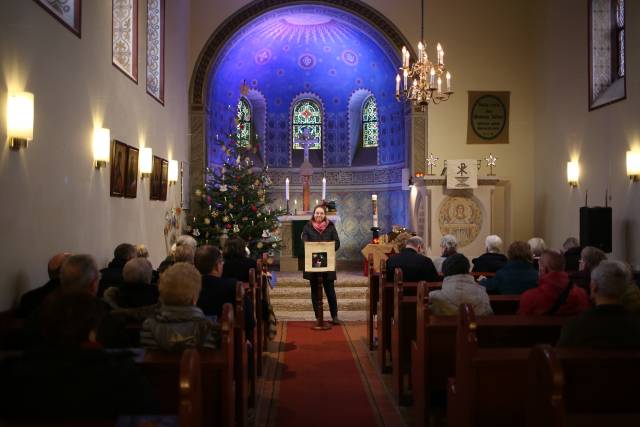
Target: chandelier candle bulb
[398,85]
[440,54]
[448,81]
[439,85]
[324,188]
[406,76]
[286,189]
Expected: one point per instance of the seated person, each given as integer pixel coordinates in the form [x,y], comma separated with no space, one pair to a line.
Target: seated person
[571,251]
[31,300]
[492,260]
[137,290]
[184,240]
[607,325]
[178,323]
[517,275]
[236,262]
[458,287]
[216,290]
[555,294]
[112,275]
[537,245]
[449,246]
[414,265]
[590,258]
[70,376]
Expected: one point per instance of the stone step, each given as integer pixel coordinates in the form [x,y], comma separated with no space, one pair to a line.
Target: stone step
[304,304]
[300,292]
[346,316]
[295,279]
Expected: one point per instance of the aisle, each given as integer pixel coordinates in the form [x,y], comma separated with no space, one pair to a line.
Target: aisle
[320,384]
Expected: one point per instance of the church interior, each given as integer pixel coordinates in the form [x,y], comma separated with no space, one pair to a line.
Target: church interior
[117,117]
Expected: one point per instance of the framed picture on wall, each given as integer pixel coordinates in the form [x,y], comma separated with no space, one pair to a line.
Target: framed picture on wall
[131,180]
[68,12]
[118,168]
[156,179]
[165,180]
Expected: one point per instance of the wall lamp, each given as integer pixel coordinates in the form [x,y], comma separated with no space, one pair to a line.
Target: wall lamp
[101,145]
[573,173]
[19,119]
[633,165]
[173,171]
[146,162]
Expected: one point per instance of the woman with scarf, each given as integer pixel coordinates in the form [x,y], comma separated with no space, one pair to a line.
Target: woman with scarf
[320,229]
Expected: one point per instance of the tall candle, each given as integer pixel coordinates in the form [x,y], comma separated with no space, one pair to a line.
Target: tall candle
[286,188]
[324,188]
[374,204]
[439,84]
[448,81]
[397,84]
[405,76]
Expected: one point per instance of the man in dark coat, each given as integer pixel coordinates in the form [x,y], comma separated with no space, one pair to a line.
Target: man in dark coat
[414,265]
[236,262]
[112,275]
[492,260]
[32,299]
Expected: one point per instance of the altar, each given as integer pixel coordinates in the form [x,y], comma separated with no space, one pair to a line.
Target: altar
[291,247]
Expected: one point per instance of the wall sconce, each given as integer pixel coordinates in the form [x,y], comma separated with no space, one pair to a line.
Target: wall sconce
[173,171]
[633,165]
[146,162]
[573,173]
[19,119]
[101,143]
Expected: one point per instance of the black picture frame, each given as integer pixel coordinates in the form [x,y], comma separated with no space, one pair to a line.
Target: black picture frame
[131,178]
[118,168]
[155,192]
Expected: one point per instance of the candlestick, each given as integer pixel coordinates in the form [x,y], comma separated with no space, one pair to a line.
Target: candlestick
[286,188]
[374,205]
[324,188]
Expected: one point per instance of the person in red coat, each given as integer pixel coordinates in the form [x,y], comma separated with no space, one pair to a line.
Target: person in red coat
[555,294]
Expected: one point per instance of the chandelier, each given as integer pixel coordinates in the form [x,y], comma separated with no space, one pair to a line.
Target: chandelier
[422,81]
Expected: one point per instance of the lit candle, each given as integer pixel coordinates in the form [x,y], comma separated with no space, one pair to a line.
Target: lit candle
[286,189]
[440,53]
[407,58]
[404,57]
[397,86]
[439,85]
[420,49]
[316,202]
[432,81]
[324,188]
[374,204]
[406,76]
[448,81]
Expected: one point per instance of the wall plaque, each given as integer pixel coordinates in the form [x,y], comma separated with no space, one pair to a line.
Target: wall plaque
[488,118]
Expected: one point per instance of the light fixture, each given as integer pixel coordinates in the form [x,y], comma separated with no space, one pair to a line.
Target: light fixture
[146,162]
[19,119]
[173,171]
[633,165]
[422,82]
[101,143]
[573,173]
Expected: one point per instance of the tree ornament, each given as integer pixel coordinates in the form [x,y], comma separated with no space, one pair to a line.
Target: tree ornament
[259,245]
[207,221]
[236,229]
[244,218]
[196,232]
[198,192]
[223,188]
[225,218]
[265,234]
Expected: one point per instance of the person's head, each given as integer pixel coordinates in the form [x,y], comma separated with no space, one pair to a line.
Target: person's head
[209,260]
[570,243]
[187,240]
[235,248]
[609,280]
[590,257]
[415,243]
[319,213]
[55,264]
[493,244]
[550,261]
[142,251]
[80,274]
[455,264]
[449,245]
[519,251]
[184,253]
[69,319]
[537,245]
[180,284]
[124,252]
[137,271]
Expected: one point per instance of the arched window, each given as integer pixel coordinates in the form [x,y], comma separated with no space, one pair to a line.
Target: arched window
[370,123]
[243,123]
[307,125]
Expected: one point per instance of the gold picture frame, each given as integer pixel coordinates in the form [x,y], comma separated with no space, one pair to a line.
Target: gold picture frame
[319,257]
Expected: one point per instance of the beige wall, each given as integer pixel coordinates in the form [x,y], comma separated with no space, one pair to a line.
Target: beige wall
[51,197]
[565,128]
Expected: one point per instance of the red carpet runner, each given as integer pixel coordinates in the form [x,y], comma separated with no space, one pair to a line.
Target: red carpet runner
[320,383]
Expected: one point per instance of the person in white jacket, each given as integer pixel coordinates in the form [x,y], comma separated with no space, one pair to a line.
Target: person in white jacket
[458,287]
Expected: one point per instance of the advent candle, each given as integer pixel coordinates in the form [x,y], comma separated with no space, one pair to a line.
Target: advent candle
[286,189]
[374,204]
[324,188]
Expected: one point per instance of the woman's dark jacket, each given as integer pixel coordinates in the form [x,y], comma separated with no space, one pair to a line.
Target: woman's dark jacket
[330,234]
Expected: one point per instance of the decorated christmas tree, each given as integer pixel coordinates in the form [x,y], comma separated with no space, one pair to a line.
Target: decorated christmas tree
[235,198]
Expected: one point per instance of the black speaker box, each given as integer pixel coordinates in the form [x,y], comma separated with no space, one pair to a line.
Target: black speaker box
[595,227]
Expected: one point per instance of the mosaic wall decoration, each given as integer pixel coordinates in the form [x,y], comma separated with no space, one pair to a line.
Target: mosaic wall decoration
[125,37]
[155,49]
[68,12]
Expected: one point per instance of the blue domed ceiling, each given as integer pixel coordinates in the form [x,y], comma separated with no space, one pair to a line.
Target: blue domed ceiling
[312,51]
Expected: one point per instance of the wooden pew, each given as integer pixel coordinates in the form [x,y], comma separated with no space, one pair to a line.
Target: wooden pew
[372,301]
[251,293]
[258,341]
[240,366]
[585,387]
[490,384]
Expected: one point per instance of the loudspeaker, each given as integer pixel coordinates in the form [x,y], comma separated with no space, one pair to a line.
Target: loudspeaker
[595,228]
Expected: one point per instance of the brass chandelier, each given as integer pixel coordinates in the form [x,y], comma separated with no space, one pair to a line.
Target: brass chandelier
[422,82]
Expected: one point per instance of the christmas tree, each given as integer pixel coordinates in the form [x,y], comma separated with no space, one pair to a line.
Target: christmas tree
[235,199]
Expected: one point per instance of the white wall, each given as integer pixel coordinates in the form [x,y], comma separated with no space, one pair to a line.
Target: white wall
[51,197]
[565,128]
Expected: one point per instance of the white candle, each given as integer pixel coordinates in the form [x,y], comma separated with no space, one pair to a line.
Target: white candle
[286,188]
[406,76]
[432,80]
[448,81]
[439,85]
[316,202]
[404,56]
[440,53]
[397,87]
[324,188]
[374,203]
[420,49]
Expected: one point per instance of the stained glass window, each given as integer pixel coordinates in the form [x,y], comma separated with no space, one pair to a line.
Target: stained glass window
[307,125]
[243,123]
[370,123]
[619,38]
